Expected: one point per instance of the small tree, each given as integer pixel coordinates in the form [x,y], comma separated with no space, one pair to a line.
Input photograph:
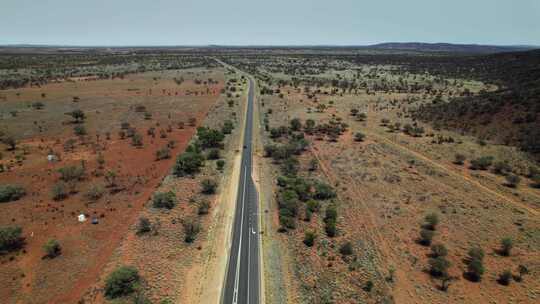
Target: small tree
[137,140]
[481,163]
[475,270]
[121,282]
[439,266]
[438,250]
[10,193]
[309,238]
[59,191]
[191,230]
[220,164]
[475,253]
[10,239]
[506,246]
[359,136]
[431,221]
[208,186]
[144,225]
[164,200]
[426,236]
[188,163]
[296,124]
[52,248]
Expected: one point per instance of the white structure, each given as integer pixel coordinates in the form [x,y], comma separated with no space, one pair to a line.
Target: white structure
[52,158]
[82,218]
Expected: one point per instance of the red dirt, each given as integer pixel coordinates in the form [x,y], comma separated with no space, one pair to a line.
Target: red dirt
[86,248]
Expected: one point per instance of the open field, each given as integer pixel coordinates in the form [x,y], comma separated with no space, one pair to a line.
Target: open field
[126,121]
[382,175]
[386,183]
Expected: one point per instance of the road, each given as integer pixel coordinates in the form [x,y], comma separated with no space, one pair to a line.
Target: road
[242,277]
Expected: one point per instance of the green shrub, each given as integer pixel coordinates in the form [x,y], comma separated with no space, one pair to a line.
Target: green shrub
[52,248]
[296,124]
[438,250]
[164,200]
[208,186]
[191,230]
[227,128]
[94,193]
[188,163]
[10,238]
[431,221]
[309,238]
[220,164]
[209,138]
[481,163]
[71,173]
[59,191]
[475,270]
[9,193]
[144,225]
[439,266]
[323,191]
[368,286]
[359,136]
[163,153]
[346,248]
[330,220]
[426,236]
[313,205]
[121,282]
[475,253]
[506,246]
[137,140]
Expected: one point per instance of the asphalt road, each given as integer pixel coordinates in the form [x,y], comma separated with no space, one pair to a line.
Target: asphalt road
[242,278]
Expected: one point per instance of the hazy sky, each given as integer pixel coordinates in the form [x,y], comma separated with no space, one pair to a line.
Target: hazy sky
[255,22]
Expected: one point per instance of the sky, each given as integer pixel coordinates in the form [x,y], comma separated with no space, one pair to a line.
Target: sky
[270,22]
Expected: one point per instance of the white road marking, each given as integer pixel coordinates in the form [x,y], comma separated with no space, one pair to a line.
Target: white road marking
[236,279]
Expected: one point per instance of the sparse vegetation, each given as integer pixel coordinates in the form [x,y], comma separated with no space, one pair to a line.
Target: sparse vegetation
[165,200]
[121,282]
[52,248]
[10,238]
[10,193]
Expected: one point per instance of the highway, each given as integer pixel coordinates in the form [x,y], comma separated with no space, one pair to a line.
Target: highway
[242,277]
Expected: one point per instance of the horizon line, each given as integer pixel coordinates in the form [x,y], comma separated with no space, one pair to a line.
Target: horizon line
[522,45]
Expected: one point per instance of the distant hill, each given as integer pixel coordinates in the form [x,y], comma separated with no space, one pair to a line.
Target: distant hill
[449,47]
